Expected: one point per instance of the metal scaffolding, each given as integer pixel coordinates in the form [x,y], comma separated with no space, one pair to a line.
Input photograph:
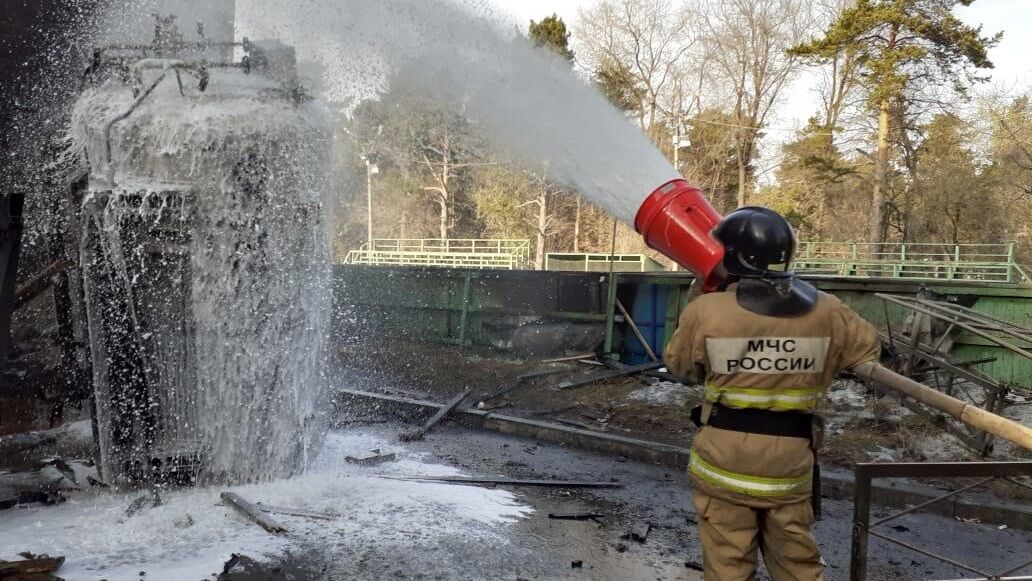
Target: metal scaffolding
[921,349]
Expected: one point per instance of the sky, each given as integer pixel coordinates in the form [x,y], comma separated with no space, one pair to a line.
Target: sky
[1013,65]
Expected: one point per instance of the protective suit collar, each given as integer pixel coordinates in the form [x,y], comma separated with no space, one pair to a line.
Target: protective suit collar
[776,297]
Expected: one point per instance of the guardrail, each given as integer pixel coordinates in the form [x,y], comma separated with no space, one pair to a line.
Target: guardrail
[459,253]
[600,262]
[913,261]
[863,527]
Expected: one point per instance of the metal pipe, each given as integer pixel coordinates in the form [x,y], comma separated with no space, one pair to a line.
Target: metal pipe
[935,312]
[122,116]
[165,66]
[936,556]
[973,416]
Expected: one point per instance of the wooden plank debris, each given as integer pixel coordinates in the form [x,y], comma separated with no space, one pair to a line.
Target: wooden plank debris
[610,374]
[440,415]
[252,512]
[34,567]
[570,358]
[514,482]
[371,460]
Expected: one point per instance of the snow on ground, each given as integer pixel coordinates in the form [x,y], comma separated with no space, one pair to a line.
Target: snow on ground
[190,535]
[664,393]
[849,393]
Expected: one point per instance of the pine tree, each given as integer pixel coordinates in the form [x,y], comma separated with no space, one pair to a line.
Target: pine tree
[551,34]
[903,46]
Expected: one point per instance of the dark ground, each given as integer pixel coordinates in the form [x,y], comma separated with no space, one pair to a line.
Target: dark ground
[437,372]
[541,548]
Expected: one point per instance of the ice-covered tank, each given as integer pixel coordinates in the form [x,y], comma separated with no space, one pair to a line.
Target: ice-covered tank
[204,258]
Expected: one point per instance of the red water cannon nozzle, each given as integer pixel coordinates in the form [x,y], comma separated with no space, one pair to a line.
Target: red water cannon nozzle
[676,219]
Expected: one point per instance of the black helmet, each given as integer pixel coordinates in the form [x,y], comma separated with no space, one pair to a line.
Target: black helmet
[758,243]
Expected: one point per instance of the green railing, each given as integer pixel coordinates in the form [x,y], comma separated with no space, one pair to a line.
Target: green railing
[600,262]
[456,253]
[917,261]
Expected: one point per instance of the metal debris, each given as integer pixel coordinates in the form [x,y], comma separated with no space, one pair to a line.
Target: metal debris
[570,358]
[514,482]
[18,443]
[437,417]
[295,512]
[94,482]
[575,515]
[152,499]
[33,568]
[539,373]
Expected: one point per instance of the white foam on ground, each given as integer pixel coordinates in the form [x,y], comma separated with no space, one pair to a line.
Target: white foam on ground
[159,541]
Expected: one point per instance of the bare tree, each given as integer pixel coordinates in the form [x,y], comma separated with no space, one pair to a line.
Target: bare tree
[649,43]
[545,217]
[442,171]
[749,41]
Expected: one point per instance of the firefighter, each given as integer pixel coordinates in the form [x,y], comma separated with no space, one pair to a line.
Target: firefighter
[767,345]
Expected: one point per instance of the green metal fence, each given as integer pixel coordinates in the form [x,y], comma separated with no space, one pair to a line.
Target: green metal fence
[917,261]
[458,252]
[598,262]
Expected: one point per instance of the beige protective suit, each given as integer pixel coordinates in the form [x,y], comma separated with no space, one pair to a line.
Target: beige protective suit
[753,490]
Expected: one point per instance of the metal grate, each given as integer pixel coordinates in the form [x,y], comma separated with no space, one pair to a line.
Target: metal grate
[863,528]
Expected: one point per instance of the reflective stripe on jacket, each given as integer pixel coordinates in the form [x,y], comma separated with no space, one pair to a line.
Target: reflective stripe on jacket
[782,399]
[748,360]
[748,484]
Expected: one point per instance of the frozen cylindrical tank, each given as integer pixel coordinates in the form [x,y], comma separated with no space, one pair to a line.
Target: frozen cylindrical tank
[205,263]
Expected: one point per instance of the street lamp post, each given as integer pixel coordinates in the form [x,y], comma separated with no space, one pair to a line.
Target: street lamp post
[371,170]
[678,144]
